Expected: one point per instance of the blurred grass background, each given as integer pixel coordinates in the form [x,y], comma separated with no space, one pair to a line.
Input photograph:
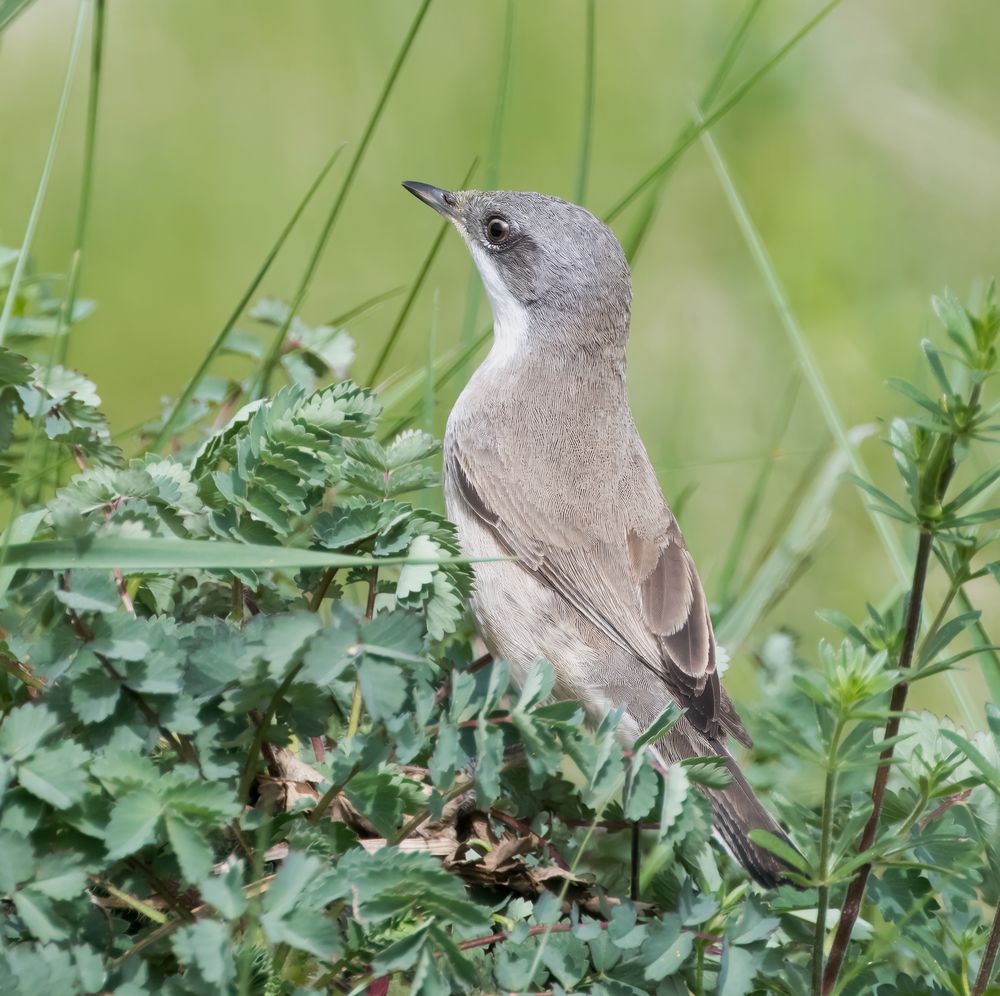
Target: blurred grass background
[869,161]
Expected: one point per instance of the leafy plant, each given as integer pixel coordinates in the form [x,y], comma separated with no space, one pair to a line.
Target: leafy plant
[249,741]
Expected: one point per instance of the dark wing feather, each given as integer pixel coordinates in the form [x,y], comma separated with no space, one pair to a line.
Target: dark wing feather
[644,594]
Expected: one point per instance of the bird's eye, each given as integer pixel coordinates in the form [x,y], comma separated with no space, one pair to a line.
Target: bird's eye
[497,229]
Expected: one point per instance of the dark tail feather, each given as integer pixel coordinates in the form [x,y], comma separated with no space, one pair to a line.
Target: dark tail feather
[736,811]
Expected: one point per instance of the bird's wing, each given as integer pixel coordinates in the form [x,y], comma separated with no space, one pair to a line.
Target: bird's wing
[636,583]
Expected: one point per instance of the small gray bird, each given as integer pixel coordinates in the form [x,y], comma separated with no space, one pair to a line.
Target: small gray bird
[543,464]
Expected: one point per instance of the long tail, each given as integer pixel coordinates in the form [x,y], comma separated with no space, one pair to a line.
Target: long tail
[736,811]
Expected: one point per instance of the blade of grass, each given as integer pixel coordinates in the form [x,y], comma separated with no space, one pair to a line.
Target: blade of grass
[219,342]
[43,180]
[448,372]
[271,361]
[634,241]
[817,383]
[86,181]
[752,506]
[429,391]
[418,283]
[362,309]
[721,111]
[583,158]
[130,554]
[474,287]
[10,9]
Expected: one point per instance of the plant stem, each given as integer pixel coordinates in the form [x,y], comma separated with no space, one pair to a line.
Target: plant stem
[583,163]
[988,963]
[691,135]
[86,183]
[856,890]
[330,794]
[354,721]
[260,734]
[43,180]
[320,593]
[825,846]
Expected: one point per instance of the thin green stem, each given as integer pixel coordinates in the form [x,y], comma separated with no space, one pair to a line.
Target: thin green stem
[86,182]
[43,180]
[260,734]
[474,288]
[692,134]
[271,360]
[418,283]
[331,793]
[744,527]
[634,241]
[174,415]
[321,589]
[586,125]
[814,377]
[825,848]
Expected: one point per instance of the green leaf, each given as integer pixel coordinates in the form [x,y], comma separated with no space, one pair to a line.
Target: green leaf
[16,859]
[671,948]
[297,871]
[39,916]
[55,775]
[783,850]
[737,970]
[660,726]
[24,729]
[985,768]
[193,853]
[225,891]
[133,823]
[537,685]
[675,791]
[402,953]
[206,944]
[383,688]
[90,591]
[643,787]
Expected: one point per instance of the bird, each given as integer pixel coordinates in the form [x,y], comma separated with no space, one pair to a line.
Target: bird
[547,478]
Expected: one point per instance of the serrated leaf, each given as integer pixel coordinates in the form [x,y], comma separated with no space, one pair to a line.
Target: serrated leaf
[24,729]
[193,853]
[55,774]
[206,945]
[737,970]
[383,688]
[133,823]
[672,948]
[225,891]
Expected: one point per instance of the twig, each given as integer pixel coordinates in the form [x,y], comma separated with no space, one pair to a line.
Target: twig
[331,793]
[989,957]
[320,593]
[856,890]
[636,860]
[515,824]
[477,665]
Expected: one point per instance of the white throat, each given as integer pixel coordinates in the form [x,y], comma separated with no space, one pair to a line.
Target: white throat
[510,320]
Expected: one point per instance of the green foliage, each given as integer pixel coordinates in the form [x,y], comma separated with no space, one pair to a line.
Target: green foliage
[275,778]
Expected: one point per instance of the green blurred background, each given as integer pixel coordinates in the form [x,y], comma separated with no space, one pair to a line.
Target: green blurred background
[869,160]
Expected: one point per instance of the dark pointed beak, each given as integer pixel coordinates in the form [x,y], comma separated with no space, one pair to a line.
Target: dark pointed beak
[443,201]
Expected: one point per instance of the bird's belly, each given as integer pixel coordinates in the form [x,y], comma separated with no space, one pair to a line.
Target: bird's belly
[521,619]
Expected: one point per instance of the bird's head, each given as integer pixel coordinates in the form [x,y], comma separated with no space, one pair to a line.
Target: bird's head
[555,274]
